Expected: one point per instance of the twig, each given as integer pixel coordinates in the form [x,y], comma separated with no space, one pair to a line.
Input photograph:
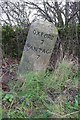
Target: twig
[62,116]
[70,114]
[55,114]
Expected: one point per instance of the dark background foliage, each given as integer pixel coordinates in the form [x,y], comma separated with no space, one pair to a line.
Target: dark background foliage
[13,41]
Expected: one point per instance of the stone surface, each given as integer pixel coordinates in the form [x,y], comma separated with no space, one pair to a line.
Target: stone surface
[38,48]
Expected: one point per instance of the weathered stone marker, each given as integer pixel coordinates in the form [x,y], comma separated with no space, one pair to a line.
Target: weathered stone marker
[38,48]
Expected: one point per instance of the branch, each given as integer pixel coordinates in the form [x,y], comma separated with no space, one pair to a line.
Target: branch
[72,16]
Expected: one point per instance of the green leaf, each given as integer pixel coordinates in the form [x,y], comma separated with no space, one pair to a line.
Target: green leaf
[10,100]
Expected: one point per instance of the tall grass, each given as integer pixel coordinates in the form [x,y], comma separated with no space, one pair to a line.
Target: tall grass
[32,97]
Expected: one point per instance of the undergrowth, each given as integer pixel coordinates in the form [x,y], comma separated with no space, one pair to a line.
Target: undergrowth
[35,97]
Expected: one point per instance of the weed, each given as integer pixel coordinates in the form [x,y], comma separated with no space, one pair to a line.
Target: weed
[33,100]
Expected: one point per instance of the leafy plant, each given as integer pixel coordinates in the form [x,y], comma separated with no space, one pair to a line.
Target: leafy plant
[8,97]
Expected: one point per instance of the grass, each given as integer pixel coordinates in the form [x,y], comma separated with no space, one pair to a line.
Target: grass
[0,104]
[31,99]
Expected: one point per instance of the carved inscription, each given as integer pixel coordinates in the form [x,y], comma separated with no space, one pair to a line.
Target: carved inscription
[36,49]
[42,34]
